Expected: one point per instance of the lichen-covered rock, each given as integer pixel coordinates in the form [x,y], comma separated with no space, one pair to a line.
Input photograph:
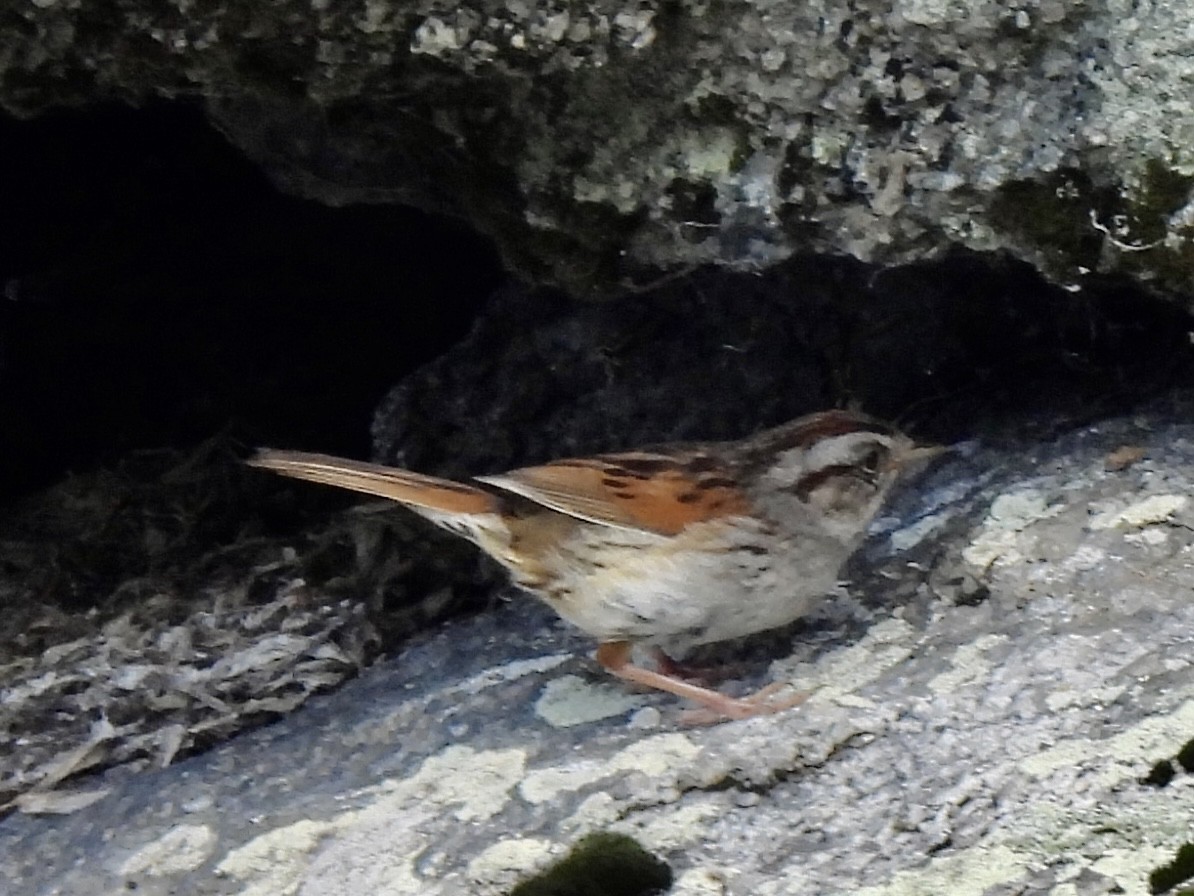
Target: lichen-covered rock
[1003,702]
[603,143]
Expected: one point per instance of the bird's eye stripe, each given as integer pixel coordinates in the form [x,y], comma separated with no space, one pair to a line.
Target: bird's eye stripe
[810,482]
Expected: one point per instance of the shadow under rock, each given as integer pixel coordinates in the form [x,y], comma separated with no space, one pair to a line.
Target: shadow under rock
[968,346]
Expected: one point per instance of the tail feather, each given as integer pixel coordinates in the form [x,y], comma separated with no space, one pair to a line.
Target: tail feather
[412,489]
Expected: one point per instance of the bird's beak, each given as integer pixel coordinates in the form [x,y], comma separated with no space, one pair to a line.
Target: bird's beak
[921,454]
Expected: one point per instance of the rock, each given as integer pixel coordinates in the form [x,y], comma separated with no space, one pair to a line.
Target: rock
[603,145]
[956,739]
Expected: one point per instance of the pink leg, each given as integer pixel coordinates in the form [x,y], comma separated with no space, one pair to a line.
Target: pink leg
[614,656]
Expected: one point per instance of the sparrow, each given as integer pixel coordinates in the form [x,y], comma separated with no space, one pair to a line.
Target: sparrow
[670,546]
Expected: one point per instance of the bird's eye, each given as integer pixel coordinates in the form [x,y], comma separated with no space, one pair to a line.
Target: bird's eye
[870,463]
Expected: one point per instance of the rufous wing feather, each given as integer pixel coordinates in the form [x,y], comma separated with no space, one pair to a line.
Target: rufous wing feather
[644,491]
[412,489]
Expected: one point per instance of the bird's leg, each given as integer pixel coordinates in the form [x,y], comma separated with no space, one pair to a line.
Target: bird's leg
[614,656]
[701,672]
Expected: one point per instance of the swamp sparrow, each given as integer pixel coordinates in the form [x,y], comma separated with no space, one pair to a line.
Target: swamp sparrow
[670,546]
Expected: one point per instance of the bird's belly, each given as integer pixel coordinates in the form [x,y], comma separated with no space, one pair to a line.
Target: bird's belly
[679,592]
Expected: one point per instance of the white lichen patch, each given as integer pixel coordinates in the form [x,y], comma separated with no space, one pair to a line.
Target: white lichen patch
[505,672]
[645,719]
[700,882]
[1124,864]
[1150,511]
[993,546]
[706,153]
[58,802]
[1020,509]
[1147,832]
[463,783]
[699,155]
[675,829]
[567,38]
[435,37]
[908,537]
[273,863]
[840,674]
[1123,756]
[509,860]
[1149,537]
[1010,514]
[1084,557]
[570,700]
[597,810]
[183,847]
[472,784]
[653,756]
[1074,839]
[1074,698]
[971,664]
[970,873]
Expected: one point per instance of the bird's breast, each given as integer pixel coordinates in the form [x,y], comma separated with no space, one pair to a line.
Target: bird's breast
[713,581]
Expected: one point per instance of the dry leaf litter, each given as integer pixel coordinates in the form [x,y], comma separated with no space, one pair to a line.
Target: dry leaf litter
[150,613]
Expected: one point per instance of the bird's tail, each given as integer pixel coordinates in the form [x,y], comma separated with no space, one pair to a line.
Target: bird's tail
[429,493]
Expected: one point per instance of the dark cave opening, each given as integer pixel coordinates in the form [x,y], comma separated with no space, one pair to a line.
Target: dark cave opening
[158,289]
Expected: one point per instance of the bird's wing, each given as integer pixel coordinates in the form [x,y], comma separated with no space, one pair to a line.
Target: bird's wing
[648,491]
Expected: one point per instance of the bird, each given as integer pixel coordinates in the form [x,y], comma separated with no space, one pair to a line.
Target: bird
[668,546]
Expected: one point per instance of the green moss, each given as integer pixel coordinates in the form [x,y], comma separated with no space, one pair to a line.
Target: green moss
[1185,756]
[601,864]
[1178,871]
[1145,223]
[1165,191]
[743,150]
[1160,774]
[1053,216]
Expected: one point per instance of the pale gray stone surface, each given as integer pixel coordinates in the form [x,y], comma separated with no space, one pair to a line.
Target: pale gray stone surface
[1011,659]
